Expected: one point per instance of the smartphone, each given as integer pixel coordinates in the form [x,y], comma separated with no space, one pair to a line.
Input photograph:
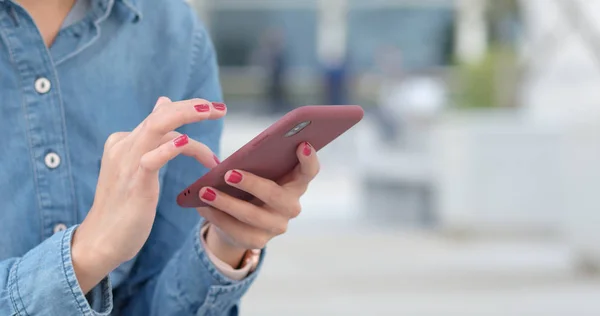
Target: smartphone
[272,154]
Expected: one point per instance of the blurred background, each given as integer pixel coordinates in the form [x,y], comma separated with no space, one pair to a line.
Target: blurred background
[470,188]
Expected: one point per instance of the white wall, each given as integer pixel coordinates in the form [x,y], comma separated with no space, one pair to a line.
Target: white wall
[497,172]
[565,77]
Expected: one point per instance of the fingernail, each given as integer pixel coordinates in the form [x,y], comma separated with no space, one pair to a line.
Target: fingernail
[307,149]
[219,106]
[235,177]
[202,108]
[181,141]
[209,195]
[216,159]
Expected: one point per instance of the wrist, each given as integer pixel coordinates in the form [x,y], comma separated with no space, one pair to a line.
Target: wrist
[91,260]
[222,248]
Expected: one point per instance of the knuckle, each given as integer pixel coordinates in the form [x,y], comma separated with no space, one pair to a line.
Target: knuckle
[313,171]
[145,163]
[113,139]
[295,209]
[161,109]
[317,170]
[155,122]
[280,229]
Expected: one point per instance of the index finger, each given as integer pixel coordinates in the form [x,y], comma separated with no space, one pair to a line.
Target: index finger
[168,116]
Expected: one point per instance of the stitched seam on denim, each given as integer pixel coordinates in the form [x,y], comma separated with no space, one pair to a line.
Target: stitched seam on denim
[215,274]
[10,291]
[56,91]
[197,51]
[106,299]
[215,291]
[67,153]
[16,286]
[28,133]
[11,280]
[181,300]
[62,255]
[13,16]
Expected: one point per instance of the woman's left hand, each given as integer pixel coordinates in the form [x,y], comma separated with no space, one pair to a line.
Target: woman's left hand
[240,225]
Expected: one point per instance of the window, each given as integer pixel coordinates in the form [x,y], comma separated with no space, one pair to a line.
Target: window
[423,34]
[237,33]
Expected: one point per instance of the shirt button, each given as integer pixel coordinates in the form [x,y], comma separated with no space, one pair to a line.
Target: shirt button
[42,85]
[52,160]
[59,228]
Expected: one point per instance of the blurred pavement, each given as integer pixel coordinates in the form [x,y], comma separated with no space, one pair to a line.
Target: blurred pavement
[362,271]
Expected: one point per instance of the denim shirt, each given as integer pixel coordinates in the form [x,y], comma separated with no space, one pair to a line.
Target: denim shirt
[58,105]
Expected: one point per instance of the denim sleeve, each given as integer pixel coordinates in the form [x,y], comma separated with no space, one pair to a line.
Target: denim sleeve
[43,282]
[193,286]
[173,274]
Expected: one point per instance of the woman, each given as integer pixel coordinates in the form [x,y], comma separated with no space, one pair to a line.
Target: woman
[86,141]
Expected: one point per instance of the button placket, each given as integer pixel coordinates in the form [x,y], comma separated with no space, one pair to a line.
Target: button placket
[42,110]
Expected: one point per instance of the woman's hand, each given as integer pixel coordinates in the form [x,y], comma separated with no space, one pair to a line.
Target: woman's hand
[240,225]
[127,193]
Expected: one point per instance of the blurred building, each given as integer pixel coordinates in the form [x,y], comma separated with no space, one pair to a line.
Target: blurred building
[319,34]
[496,102]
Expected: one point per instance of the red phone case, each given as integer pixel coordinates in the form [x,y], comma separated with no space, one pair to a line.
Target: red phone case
[271,154]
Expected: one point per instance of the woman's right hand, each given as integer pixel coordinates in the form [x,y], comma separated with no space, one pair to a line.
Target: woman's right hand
[127,193]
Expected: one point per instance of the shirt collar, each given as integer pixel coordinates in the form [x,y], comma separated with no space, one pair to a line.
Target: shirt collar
[133,6]
[128,9]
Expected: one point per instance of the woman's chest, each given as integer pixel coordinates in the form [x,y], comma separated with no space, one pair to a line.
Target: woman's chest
[52,147]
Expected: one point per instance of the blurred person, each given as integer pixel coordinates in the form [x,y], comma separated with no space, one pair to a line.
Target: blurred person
[271,55]
[389,61]
[336,76]
[87,193]
[407,104]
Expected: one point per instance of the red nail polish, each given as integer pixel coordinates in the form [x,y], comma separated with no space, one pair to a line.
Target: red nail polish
[181,141]
[202,108]
[235,177]
[307,150]
[209,195]
[219,106]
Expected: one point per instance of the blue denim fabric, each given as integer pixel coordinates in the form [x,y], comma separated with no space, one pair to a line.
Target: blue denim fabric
[105,73]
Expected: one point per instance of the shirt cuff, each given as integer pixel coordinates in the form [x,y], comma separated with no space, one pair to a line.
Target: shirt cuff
[250,261]
[200,286]
[46,274]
